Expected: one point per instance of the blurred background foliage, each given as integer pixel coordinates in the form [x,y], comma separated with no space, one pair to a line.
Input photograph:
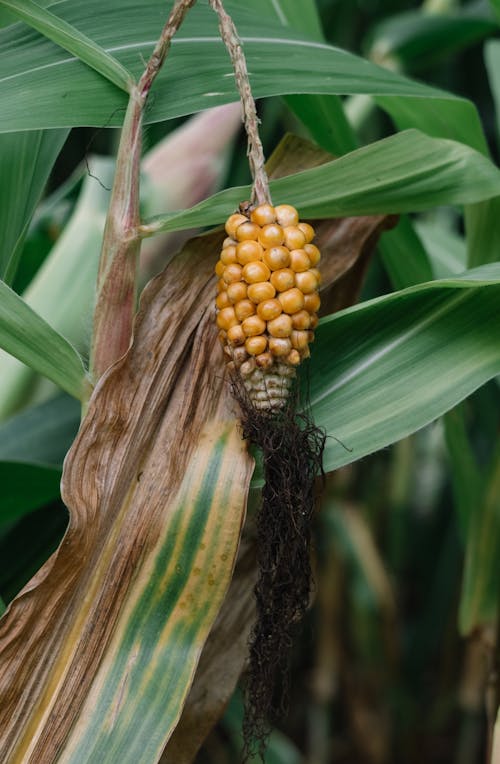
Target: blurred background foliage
[396,659]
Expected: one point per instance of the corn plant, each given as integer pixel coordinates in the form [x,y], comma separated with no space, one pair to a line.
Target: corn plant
[127,625]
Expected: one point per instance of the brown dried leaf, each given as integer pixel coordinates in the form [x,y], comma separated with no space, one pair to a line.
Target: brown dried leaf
[150,421]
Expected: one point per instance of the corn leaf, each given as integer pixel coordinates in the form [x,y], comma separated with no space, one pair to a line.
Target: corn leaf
[26,487]
[481,580]
[98,652]
[281,62]
[403,173]
[26,160]
[63,289]
[387,367]
[33,445]
[25,335]
[69,38]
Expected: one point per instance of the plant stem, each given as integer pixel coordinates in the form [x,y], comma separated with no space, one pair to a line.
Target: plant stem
[117,277]
[229,34]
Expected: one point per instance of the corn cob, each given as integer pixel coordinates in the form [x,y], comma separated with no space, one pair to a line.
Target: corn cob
[267,299]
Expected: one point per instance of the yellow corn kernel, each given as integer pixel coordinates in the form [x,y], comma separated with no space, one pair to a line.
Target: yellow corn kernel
[226,318]
[277,258]
[236,335]
[280,326]
[255,272]
[301,320]
[313,253]
[232,273]
[299,260]
[271,235]
[279,346]
[286,215]
[292,300]
[307,230]
[306,281]
[233,222]
[248,251]
[256,345]
[269,309]
[244,309]
[247,230]
[263,215]
[228,255]
[253,325]
[312,302]
[261,291]
[222,300]
[236,292]
[283,279]
[294,238]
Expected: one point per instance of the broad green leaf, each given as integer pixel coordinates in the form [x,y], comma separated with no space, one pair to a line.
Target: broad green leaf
[467,479]
[301,15]
[384,369]
[41,434]
[26,160]
[323,115]
[495,4]
[415,39]
[446,248]
[452,118]
[403,173]
[492,61]
[63,290]
[71,39]
[481,578]
[7,18]
[25,488]
[404,257]
[482,226]
[68,93]
[25,335]
[33,445]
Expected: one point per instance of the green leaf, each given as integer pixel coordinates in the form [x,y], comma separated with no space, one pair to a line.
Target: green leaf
[466,477]
[404,257]
[7,18]
[71,39]
[63,289]
[403,173]
[481,582]
[447,249]
[26,487]
[387,367]
[495,4]
[414,39]
[296,14]
[33,70]
[26,335]
[41,434]
[26,160]
[324,117]
[482,225]
[492,61]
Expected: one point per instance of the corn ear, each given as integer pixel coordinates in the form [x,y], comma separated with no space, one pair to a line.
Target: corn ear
[267,299]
